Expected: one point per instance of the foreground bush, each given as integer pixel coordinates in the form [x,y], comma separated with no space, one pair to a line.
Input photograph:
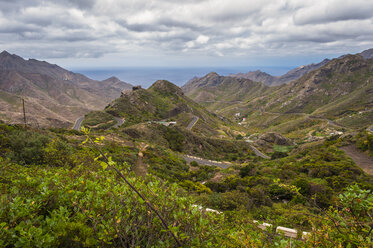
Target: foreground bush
[48,207]
[90,207]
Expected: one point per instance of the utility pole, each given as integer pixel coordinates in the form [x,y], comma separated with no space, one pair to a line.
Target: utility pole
[24,112]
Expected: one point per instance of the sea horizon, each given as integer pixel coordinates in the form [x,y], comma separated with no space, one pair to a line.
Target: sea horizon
[146,76]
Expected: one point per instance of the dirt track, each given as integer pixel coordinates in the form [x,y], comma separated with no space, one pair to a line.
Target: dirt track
[364,161]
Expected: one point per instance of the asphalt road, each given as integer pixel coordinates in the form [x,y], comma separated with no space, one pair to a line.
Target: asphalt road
[330,122]
[78,123]
[206,162]
[192,123]
[258,153]
[119,122]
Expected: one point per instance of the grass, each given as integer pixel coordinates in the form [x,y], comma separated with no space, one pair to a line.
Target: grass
[284,149]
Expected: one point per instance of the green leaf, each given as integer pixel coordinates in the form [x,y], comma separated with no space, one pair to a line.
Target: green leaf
[104,165]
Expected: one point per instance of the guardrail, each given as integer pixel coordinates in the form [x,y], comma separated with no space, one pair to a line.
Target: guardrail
[287,232]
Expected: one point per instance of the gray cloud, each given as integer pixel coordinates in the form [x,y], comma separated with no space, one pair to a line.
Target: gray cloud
[334,11]
[192,28]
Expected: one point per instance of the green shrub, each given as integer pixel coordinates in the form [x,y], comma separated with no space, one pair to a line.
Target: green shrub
[175,139]
[194,164]
[303,185]
[364,141]
[247,170]
[27,147]
[279,193]
[278,154]
[58,153]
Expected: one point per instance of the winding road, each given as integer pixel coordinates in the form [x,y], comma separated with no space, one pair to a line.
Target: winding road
[78,123]
[308,116]
[192,123]
[330,122]
[223,165]
[119,122]
[259,153]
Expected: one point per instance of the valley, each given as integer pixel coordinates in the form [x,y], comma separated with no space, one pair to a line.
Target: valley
[289,153]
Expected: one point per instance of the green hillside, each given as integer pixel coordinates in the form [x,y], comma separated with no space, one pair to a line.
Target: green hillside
[164,101]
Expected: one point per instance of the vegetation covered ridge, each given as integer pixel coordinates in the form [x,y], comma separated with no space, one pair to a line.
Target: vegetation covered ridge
[340,90]
[72,198]
[163,103]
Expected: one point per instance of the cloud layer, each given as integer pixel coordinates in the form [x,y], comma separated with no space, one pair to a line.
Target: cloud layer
[190,28]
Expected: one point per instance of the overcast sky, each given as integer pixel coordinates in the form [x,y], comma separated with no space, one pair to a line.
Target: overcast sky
[104,33]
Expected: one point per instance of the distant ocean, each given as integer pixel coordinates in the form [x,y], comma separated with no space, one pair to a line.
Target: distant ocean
[147,76]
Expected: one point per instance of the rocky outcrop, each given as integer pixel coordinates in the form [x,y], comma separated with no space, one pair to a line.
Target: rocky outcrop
[270,139]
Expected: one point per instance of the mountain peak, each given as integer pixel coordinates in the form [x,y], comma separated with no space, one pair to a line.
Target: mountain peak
[112,79]
[11,61]
[4,53]
[164,86]
[212,74]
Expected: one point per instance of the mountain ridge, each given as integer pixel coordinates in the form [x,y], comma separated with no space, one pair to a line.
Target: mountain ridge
[270,80]
[293,74]
[52,93]
[339,90]
[163,102]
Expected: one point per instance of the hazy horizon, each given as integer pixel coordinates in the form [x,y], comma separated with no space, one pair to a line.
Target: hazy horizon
[145,76]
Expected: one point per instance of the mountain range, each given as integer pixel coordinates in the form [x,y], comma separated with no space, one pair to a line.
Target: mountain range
[270,80]
[341,89]
[53,96]
[291,75]
[337,89]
